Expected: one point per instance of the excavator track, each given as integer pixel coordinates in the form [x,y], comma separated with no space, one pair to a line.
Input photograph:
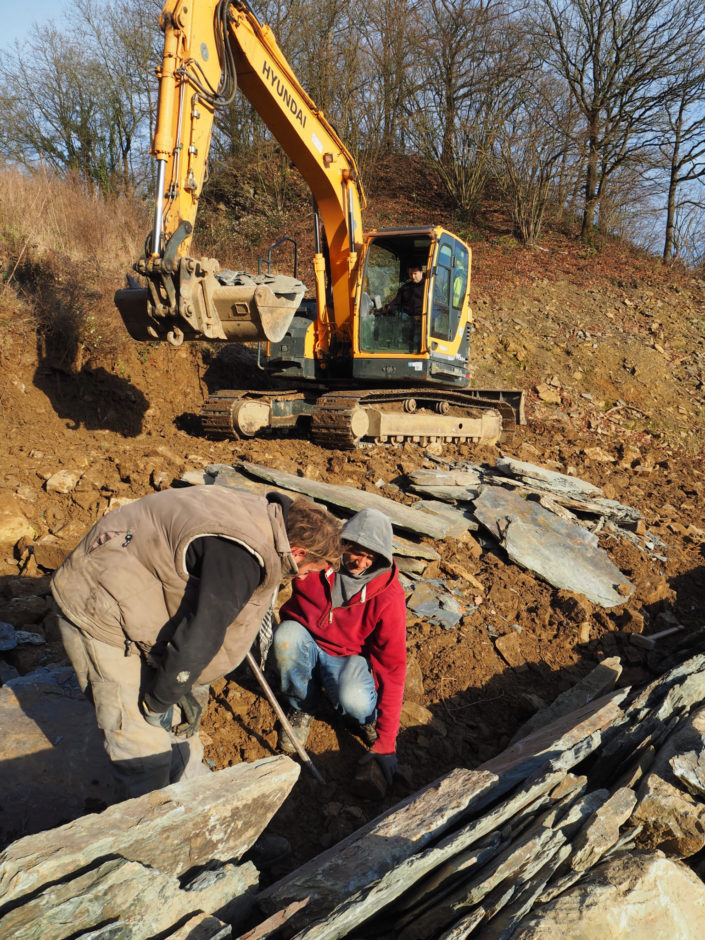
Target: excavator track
[241,413]
[216,413]
[337,422]
[341,419]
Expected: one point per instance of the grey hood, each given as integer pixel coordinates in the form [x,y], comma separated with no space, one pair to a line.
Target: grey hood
[372,530]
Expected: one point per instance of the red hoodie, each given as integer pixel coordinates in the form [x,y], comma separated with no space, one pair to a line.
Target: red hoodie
[372,624]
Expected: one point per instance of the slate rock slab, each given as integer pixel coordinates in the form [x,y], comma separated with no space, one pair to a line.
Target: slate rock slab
[144,899]
[558,482]
[562,553]
[631,896]
[175,829]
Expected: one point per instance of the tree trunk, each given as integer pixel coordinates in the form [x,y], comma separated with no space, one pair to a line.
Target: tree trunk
[672,188]
[591,181]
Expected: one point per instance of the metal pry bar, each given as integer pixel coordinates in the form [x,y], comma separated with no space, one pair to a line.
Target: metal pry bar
[266,688]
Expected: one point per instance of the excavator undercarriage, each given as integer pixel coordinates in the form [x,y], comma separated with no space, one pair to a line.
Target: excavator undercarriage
[345,418]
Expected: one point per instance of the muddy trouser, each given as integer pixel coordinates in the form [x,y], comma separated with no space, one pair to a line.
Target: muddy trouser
[144,757]
[303,666]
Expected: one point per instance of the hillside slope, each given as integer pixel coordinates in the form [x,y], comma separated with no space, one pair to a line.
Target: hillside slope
[609,347]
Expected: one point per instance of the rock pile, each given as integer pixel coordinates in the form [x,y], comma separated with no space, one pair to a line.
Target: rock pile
[583,822]
[563,819]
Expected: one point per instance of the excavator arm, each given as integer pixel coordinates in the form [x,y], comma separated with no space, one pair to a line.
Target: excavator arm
[212,47]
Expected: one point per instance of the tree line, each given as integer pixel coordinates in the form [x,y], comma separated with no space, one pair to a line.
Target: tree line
[588,109]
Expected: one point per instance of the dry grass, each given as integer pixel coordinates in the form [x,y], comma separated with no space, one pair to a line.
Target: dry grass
[51,218]
[64,249]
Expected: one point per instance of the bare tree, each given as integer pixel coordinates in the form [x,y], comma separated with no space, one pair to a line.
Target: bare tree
[683,146]
[530,145]
[689,226]
[469,56]
[390,41]
[78,100]
[127,43]
[618,58]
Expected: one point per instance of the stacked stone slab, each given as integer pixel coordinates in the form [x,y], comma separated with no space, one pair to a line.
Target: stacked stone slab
[612,790]
[559,812]
[147,866]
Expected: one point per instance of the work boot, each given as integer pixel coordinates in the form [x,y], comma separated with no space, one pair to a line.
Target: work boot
[300,723]
[368,733]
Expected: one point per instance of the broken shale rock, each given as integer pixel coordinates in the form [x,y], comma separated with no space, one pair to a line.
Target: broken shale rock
[672,818]
[350,498]
[601,831]
[144,900]
[689,771]
[362,858]
[559,483]
[631,896]
[562,553]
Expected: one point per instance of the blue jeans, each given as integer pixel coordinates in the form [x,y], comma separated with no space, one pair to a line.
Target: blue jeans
[304,667]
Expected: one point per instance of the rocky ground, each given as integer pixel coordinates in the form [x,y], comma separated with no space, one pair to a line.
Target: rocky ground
[610,351]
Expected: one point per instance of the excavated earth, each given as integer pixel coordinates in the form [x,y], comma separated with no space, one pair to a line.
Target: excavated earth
[610,351]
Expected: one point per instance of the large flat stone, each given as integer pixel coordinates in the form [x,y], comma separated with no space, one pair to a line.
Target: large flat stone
[632,896]
[562,553]
[144,900]
[385,843]
[352,499]
[185,825]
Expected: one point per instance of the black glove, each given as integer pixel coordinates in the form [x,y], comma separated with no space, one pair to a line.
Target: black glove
[157,719]
[387,763]
[191,713]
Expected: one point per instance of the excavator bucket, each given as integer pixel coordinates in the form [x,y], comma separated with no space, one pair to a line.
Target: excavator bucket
[228,305]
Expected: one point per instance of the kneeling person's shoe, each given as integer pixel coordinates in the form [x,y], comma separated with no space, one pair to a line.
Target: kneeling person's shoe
[300,723]
[368,733]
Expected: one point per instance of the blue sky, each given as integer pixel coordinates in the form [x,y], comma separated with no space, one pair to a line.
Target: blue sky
[17,17]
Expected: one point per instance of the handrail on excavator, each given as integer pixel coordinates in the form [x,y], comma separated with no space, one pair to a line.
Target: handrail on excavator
[268,259]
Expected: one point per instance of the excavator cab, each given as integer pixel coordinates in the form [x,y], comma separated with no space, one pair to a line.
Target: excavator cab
[411,329]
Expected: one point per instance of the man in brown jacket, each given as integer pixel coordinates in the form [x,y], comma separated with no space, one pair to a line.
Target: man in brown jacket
[167,594]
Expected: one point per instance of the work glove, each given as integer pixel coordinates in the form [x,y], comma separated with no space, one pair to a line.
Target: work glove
[386,762]
[191,713]
[157,719]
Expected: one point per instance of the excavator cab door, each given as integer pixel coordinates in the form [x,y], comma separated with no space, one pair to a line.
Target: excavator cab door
[450,274]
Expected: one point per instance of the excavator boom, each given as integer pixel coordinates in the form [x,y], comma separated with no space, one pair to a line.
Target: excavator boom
[211,47]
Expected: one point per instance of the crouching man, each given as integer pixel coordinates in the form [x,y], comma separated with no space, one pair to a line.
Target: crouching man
[345,632]
[165,595]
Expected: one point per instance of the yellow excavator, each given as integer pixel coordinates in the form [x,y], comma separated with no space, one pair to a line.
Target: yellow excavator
[356,363]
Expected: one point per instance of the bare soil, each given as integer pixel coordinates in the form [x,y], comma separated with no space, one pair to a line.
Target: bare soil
[614,339]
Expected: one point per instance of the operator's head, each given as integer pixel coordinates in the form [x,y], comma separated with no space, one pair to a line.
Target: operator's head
[314,537]
[367,543]
[416,272]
